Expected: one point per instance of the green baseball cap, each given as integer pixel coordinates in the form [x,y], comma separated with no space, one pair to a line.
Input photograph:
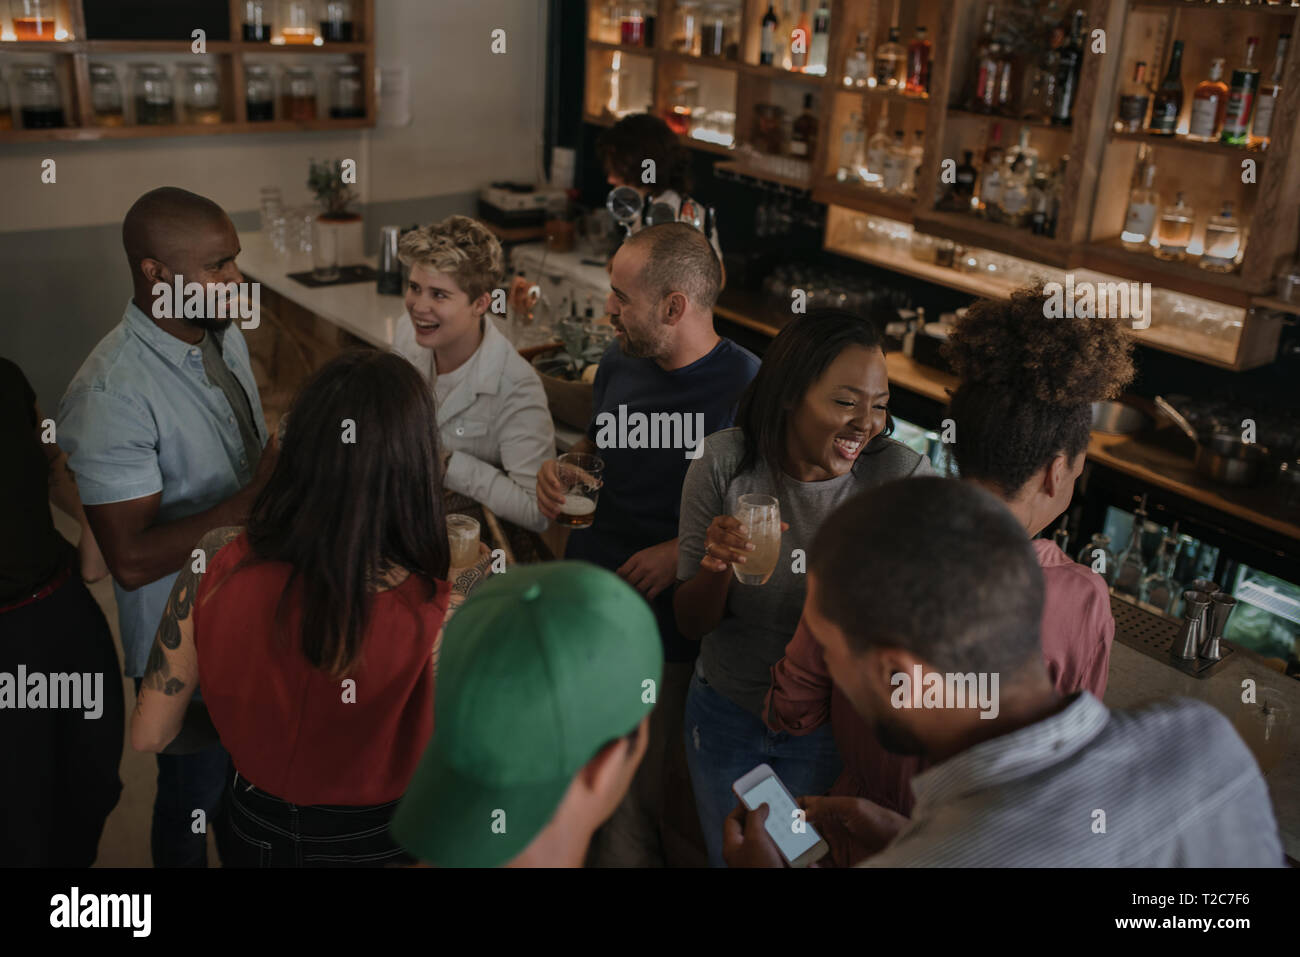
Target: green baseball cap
[541,667]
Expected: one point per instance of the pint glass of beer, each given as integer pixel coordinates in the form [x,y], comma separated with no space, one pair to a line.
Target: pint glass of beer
[761,514]
[462,536]
[581,475]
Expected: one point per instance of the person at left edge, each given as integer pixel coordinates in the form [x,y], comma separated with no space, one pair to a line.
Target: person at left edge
[163,428]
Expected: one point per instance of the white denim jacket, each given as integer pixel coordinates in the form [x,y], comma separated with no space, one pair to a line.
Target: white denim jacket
[496,422]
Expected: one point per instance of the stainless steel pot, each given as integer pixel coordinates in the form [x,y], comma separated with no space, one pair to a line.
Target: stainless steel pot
[1116,418]
[1223,457]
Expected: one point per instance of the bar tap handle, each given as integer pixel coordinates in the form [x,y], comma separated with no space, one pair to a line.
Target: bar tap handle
[1221,606]
[1189,636]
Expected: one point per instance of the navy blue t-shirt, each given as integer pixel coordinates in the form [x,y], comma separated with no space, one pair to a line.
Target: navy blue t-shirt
[641,497]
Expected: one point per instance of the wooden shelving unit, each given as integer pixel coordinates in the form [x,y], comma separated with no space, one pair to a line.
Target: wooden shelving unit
[1101,161]
[72,63]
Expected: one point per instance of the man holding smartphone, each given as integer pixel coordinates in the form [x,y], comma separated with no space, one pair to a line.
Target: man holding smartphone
[1034,769]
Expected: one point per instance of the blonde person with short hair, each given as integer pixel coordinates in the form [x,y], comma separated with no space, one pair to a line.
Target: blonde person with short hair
[493,420]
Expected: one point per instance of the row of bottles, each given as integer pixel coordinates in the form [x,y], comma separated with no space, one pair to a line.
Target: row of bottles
[1050,85]
[894,67]
[883,162]
[800,44]
[1169,235]
[1010,186]
[1236,113]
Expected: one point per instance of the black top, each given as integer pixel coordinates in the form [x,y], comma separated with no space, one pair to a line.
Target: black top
[31,551]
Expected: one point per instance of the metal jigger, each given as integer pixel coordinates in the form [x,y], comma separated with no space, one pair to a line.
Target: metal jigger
[1189,636]
[1221,606]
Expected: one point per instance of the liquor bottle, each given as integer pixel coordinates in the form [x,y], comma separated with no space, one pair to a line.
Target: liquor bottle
[1133,102]
[767,44]
[877,152]
[819,51]
[1098,556]
[894,174]
[1039,195]
[990,189]
[800,38]
[891,63]
[1067,73]
[1140,219]
[1159,588]
[1168,101]
[984,69]
[1129,569]
[1262,128]
[918,64]
[857,67]
[915,154]
[962,192]
[803,134]
[1241,99]
[1022,148]
[850,157]
[1015,191]
[1222,241]
[1209,101]
[1176,224]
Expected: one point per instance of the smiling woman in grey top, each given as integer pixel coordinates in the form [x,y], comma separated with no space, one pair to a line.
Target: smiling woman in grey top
[813,433]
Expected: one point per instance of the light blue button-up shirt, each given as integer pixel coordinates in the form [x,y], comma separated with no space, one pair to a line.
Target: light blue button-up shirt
[142,417]
[1166,785]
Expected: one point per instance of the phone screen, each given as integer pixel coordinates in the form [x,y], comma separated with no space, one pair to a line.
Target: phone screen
[780,817]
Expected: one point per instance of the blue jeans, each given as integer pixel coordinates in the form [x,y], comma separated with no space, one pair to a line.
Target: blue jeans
[186,783]
[724,742]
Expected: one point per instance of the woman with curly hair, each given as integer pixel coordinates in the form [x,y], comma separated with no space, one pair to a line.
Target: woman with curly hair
[1023,413]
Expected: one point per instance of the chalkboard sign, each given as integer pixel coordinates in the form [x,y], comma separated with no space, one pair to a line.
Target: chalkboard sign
[152,20]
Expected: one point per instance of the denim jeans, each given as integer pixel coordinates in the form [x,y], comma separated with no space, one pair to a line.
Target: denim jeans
[260,830]
[724,742]
[186,783]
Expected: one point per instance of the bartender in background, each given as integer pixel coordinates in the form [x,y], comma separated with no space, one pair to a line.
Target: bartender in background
[623,150]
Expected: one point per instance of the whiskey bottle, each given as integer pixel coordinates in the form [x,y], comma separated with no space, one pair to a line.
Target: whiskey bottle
[1209,101]
[1241,99]
[1168,101]
[1262,128]
[1133,102]
[891,63]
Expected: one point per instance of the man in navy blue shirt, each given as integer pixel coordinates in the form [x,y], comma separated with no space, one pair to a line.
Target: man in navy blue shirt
[667,382]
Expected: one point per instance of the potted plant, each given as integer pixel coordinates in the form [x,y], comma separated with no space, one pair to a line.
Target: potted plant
[567,369]
[325,180]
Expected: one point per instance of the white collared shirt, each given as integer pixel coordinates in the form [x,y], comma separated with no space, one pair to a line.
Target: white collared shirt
[496,421]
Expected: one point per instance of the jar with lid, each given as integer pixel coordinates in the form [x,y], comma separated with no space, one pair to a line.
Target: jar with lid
[257,21]
[38,94]
[632,25]
[298,100]
[299,24]
[202,95]
[34,19]
[152,93]
[347,98]
[686,33]
[336,21]
[259,93]
[106,95]
[720,30]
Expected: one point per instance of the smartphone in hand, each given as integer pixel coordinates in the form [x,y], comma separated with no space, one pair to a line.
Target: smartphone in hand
[796,839]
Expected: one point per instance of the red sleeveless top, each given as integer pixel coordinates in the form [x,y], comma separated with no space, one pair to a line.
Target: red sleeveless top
[294,731]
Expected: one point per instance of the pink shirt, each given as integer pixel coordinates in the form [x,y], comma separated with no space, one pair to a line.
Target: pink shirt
[1077,632]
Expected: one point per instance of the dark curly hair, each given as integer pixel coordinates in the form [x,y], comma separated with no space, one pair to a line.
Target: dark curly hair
[641,136]
[1027,385]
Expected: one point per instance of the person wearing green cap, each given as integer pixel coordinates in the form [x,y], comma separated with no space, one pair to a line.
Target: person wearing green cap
[547,678]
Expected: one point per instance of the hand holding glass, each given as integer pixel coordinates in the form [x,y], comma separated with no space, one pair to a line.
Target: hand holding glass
[761,516]
[462,536]
[581,477]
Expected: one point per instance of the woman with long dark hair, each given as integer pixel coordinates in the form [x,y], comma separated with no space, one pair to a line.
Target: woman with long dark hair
[1023,414]
[313,631]
[813,431]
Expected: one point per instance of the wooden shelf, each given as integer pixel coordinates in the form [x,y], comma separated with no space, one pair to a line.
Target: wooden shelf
[740,169]
[635,51]
[1183,143]
[972,284]
[776,73]
[960,114]
[43,46]
[1275,304]
[708,147]
[1111,257]
[865,200]
[921,379]
[85,134]
[972,231]
[1222,6]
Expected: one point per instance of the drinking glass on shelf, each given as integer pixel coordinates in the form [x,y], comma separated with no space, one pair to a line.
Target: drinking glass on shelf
[299,23]
[33,19]
[463,537]
[761,516]
[270,205]
[303,219]
[324,252]
[581,475]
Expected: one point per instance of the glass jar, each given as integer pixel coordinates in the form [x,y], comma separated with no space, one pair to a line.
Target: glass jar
[686,36]
[299,24]
[632,25]
[347,98]
[106,95]
[298,101]
[336,21]
[33,19]
[202,95]
[38,93]
[152,93]
[259,93]
[713,29]
[257,21]
[685,98]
